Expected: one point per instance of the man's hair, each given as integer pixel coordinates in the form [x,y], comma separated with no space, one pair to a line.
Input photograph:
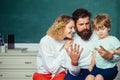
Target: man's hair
[80,13]
[56,31]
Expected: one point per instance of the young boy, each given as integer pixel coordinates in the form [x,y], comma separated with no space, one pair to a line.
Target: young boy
[100,68]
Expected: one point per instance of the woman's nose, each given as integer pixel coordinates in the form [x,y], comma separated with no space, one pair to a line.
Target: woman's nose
[73,30]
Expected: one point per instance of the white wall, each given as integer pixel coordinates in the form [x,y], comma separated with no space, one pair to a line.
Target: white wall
[29,46]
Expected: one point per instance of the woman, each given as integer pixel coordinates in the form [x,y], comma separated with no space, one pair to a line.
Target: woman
[51,59]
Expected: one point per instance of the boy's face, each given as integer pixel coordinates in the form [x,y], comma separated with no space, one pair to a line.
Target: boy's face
[102,32]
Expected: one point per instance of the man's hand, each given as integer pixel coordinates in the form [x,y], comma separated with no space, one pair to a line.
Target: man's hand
[74,53]
[105,53]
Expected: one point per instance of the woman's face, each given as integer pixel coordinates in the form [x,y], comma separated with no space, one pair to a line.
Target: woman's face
[69,29]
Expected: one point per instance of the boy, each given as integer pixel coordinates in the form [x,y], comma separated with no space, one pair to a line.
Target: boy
[100,68]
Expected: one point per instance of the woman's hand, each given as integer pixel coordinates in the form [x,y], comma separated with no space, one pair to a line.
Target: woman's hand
[68,43]
[74,52]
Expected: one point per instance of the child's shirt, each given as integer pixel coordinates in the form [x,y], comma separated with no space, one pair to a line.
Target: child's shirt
[108,43]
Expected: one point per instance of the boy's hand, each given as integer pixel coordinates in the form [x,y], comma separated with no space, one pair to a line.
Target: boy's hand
[90,68]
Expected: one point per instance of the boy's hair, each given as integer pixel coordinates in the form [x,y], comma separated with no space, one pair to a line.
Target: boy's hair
[56,31]
[101,20]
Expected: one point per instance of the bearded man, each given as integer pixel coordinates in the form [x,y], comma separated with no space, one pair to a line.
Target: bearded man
[85,38]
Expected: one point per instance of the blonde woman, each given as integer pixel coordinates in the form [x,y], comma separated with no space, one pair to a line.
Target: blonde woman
[52,54]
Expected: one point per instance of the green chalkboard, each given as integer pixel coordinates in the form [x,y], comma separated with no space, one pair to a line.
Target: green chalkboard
[29,20]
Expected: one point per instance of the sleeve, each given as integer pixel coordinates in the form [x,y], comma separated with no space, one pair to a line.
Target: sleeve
[74,70]
[116,58]
[116,43]
[51,63]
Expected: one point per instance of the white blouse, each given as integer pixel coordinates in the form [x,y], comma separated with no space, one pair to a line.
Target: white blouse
[51,57]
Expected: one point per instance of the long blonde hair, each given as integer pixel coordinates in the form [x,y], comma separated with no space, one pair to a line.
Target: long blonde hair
[56,31]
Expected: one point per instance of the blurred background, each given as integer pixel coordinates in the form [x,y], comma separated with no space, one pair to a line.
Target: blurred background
[28,20]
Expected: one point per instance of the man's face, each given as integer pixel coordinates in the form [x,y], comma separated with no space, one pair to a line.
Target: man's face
[83,28]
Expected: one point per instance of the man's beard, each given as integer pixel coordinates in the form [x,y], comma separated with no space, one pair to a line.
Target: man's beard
[85,34]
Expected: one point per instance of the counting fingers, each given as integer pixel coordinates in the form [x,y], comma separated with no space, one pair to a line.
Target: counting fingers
[76,48]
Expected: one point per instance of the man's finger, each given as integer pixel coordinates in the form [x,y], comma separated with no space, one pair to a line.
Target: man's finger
[97,49]
[102,48]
